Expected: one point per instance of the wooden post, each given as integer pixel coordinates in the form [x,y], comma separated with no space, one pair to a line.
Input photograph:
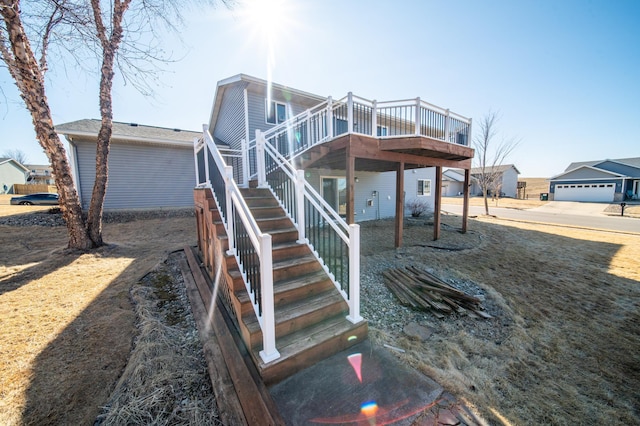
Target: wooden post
[465,204]
[437,203]
[399,204]
[351,166]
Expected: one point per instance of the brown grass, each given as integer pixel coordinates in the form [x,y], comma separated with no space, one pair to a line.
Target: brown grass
[565,348]
[66,319]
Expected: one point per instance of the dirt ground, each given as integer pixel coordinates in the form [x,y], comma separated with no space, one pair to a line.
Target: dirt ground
[565,348]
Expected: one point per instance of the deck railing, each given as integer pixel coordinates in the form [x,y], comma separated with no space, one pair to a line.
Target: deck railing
[251,248]
[335,243]
[353,114]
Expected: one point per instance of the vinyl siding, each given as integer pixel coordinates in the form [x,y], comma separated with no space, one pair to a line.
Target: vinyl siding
[618,168]
[586,173]
[140,176]
[384,203]
[10,174]
[257,111]
[230,124]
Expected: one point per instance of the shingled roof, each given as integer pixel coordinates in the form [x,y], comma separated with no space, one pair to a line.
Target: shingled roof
[128,131]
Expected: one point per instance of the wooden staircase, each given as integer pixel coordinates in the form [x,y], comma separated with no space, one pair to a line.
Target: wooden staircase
[310,313]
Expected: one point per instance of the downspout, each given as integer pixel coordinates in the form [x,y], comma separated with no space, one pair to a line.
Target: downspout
[245,147]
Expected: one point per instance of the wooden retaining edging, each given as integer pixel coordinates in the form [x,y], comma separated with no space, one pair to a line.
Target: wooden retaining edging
[241,396]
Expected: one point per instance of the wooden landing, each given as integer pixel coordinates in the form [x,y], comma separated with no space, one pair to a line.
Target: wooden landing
[241,396]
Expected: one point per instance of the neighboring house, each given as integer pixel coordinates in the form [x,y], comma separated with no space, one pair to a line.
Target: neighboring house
[453,182]
[149,167]
[11,173]
[507,181]
[40,174]
[597,181]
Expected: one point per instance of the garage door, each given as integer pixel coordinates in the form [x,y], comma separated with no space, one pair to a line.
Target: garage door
[603,192]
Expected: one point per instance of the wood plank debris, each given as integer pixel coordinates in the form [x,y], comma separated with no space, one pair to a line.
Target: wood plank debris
[420,289]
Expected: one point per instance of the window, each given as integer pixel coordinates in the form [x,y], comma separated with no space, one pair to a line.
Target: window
[424,187]
[382,130]
[276,112]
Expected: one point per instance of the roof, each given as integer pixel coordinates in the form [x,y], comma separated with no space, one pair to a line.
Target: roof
[129,132]
[633,161]
[587,167]
[499,169]
[7,160]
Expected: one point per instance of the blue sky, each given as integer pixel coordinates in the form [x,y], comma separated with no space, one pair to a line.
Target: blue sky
[563,75]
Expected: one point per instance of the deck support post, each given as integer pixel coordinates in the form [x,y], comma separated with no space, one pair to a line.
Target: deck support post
[437,203]
[351,165]
[350,112]
[399,204]
[465,204]
[269,351]
[330,117]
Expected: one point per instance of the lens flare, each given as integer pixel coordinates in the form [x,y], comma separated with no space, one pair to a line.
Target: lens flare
[369,408]
[356,362]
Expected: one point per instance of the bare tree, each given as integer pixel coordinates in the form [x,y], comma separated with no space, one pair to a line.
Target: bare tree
[17,155]
[490,156]
[99,28]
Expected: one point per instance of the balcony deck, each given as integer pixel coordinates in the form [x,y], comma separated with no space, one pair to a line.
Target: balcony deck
[382,154]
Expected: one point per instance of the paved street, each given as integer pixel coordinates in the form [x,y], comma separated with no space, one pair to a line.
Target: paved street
[582,215]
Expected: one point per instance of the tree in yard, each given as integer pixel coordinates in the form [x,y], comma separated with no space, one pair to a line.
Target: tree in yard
[17,155]
[120,34]
[490,155]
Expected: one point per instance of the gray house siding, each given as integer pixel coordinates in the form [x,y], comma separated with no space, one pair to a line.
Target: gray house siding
[257,110]
[230,127]
[10,174]
[586,173]
[368,206]
[621,169]
[140,176]
[510,183]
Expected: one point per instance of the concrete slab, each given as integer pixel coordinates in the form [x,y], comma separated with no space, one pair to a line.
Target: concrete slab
[572,207]
[364,384]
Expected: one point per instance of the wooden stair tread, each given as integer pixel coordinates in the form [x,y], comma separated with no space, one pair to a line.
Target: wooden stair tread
[289,284]
[298,309]
[293,261]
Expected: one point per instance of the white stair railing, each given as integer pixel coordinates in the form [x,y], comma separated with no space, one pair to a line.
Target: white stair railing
[246,241]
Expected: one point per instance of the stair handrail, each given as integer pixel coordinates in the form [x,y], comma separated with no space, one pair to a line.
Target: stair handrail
[349,233]
[233,205]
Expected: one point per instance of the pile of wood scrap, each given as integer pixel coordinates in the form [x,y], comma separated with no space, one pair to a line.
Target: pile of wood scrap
[422,290]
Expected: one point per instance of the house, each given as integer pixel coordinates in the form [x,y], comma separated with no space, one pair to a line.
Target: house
[506,180]
[277,209]
[149,167]
[11,172]
[597,181]
[453,182]
[40,174]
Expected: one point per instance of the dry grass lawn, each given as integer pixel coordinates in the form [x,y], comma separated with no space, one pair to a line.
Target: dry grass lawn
[66,319]
[568,351]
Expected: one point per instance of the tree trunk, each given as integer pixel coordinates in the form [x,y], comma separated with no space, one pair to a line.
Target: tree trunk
[26,72]
[486,202]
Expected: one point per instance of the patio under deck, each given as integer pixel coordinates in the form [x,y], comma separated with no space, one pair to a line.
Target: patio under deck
[357,152]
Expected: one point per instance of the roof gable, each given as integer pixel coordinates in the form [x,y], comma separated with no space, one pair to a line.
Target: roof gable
[586,172]
[633,161]
[260,86]
[498,169]
[6,160]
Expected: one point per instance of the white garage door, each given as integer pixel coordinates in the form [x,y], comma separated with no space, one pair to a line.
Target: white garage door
[603,192]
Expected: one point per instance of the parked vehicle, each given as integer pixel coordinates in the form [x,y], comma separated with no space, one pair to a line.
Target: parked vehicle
[39,199]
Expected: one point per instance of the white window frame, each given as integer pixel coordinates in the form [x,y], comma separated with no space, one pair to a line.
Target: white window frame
[274,105]
[420,185]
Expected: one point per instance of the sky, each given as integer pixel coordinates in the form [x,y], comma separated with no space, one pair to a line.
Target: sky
[563,76]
